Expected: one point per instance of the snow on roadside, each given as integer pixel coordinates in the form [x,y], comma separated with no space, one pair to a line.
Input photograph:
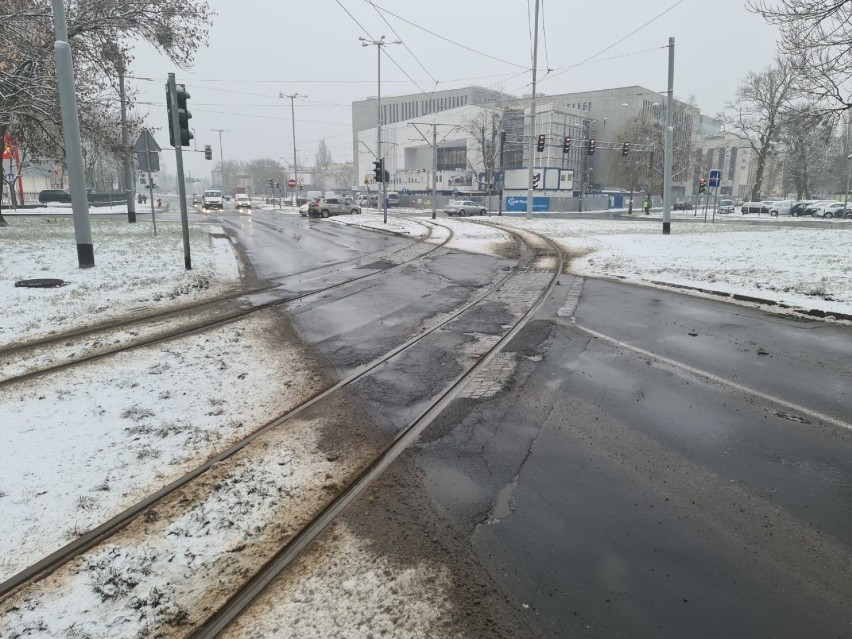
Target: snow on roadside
[132,269]
[803,267]
[76,448]
[345,588]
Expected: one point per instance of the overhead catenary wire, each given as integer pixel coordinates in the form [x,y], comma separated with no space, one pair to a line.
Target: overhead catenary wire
[458,44]
[407,48]
[620,40]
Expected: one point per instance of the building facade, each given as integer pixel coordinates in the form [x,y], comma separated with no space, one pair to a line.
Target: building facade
[411,107]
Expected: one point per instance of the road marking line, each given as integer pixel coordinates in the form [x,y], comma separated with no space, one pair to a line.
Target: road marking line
[721,380]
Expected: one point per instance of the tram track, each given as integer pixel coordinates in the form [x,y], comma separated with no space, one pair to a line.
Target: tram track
[22,362]
[531,261]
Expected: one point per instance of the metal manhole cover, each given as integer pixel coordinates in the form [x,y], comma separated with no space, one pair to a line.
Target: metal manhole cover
[44,282]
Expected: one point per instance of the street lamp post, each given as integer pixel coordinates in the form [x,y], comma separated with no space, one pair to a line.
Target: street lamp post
[222,157]
[379,44]
[293,117]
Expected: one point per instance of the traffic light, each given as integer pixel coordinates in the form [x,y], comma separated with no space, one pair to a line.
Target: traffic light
[566,145]
[540,146]
[592,144]
[278,185]
[387,176]
[271,182]
[379,171]
[183,116]
[702,185]
[625,149]
[208,152]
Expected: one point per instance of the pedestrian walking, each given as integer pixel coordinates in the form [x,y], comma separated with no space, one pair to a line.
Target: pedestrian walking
[647,206]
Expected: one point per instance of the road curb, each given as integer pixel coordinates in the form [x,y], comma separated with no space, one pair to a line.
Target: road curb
[812,312]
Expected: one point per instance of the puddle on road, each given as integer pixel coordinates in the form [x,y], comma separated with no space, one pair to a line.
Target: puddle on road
[503,503]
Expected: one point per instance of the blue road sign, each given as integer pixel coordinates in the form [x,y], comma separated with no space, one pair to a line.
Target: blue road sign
[715,178]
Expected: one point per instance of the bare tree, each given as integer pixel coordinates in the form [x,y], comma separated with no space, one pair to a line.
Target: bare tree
[260,170]
[816,36]
[322,162]
[811,149]
[756,113]
[646,135]
[100,34]
[484,129]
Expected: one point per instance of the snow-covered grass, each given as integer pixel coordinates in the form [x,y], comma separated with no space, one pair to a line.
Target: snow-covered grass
[802,267]
[77,448]
[133,269]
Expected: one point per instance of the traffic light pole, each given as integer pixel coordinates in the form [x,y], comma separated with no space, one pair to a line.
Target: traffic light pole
[175,124]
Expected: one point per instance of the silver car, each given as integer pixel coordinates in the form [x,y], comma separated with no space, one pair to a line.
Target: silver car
[464,207]
[328,206]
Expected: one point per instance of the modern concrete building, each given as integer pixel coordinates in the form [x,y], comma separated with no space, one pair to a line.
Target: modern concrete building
[399,108]
[736,159]
[611,117]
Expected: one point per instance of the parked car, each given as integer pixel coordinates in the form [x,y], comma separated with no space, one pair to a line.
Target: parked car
[328,206]
[212,199]
[242,201]
[726,206]
[682,206]
[754,207]
[815,207]
[780,207]
[464,207]
[829,210]
[54,195]
[799,207]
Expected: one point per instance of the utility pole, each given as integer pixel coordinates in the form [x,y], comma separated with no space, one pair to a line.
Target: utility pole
[379,44]
[434,145]
[293,116]
[71,138]
[502,173]
[222,157]
[667,170]
[532,117]
[435,171]
[127,158]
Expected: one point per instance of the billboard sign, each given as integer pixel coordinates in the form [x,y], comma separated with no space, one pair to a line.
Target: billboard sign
[519,203]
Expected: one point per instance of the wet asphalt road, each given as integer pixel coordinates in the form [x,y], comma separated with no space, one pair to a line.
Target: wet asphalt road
[618,496]
[612,493]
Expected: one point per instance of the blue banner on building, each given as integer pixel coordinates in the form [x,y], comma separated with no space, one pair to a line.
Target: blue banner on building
[519,203]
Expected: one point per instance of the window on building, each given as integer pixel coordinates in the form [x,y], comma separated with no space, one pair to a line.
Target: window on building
[452,158]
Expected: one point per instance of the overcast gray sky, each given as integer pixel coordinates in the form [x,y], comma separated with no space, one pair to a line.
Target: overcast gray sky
[260,48]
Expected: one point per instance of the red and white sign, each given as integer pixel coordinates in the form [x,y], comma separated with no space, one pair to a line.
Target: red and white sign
[291,183]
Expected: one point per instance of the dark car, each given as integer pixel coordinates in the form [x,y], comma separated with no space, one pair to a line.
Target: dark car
[755,207]
[54,195]
[682,206]
[799,208]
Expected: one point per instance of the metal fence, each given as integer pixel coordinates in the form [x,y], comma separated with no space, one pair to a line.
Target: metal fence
[95,199]
[492,202]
